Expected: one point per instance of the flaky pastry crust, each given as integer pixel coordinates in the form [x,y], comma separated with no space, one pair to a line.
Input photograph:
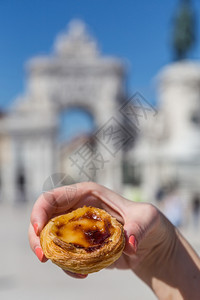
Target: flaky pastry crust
[83,241]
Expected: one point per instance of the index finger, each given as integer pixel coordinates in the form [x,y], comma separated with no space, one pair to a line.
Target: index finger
[62,199]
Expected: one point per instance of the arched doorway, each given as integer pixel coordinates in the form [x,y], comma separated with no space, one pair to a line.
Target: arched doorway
[77,126]
[75,122]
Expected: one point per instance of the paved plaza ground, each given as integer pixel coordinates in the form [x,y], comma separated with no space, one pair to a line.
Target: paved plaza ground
[24,277]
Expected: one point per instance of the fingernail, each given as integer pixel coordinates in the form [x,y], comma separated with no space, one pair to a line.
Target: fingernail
[40,254]
[35,226]
[75,275]
[132,240]
[82,275]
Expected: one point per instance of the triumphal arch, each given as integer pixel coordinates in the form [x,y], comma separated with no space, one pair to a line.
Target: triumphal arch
[76,75]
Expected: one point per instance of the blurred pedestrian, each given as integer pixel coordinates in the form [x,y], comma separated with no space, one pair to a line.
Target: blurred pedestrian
[172,207]
[196,210]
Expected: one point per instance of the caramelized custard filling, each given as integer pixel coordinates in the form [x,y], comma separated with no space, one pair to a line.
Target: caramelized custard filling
[88,231]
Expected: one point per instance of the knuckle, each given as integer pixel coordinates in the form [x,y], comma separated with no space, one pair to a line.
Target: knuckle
[152,212]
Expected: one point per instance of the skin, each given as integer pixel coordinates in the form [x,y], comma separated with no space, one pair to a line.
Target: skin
[154,250]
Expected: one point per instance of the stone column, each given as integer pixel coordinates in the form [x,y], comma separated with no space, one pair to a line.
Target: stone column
[108,135]
[8,183]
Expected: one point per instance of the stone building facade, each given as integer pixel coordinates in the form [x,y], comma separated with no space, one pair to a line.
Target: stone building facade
[168,150]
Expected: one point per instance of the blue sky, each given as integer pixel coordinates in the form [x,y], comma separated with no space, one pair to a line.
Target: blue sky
[138,31]
[74,123]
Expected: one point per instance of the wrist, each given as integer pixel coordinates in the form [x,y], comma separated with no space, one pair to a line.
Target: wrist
[171,267]
[160,247]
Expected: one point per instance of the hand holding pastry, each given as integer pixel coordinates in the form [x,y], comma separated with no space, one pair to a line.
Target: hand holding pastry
[135,218]
[154,248]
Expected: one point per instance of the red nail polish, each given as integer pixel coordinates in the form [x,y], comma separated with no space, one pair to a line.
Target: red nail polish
[82,275]
[132,240]
[40,254]
[35,226]
[75,275]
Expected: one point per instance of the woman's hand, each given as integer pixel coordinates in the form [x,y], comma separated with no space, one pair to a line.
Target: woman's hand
[153,246]
[138,219]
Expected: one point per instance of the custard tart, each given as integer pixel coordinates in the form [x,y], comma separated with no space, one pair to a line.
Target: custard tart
[83,241]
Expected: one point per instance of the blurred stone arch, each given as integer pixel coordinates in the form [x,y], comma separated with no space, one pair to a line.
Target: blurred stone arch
[74,75]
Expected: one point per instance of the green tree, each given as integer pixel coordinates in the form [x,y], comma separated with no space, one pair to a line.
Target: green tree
[184,30]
